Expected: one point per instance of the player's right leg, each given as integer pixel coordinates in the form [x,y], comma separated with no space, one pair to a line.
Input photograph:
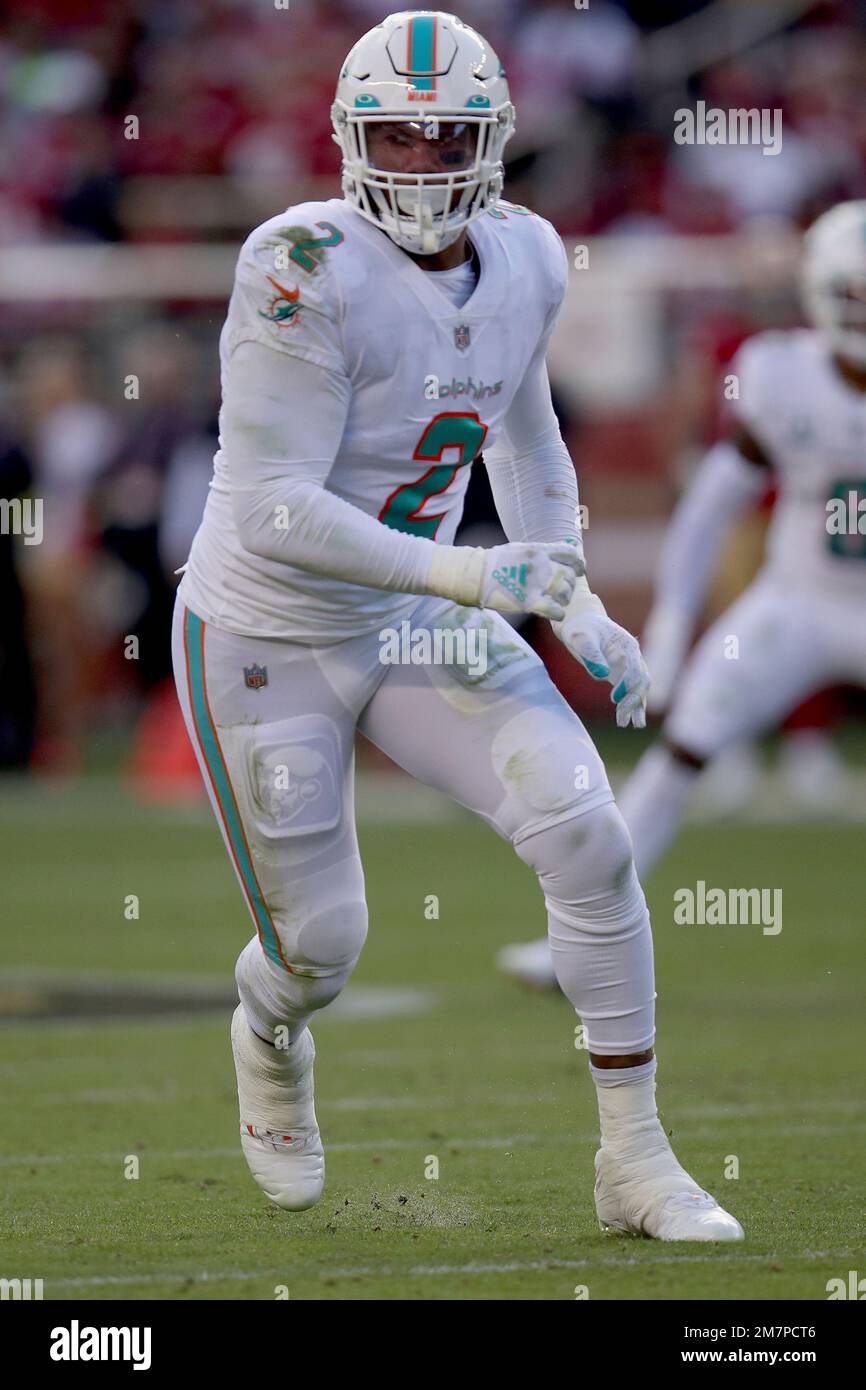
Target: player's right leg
[274,742]
[749,670]
[756,663]
[495,735]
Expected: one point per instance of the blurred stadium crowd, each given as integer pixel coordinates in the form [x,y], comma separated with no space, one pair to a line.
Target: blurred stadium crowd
[234,90]
[232,100]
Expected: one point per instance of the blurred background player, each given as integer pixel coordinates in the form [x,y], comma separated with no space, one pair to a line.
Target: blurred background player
[801,627]
[799,415]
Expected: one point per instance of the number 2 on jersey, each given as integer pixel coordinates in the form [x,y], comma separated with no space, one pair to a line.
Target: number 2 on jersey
[453,430]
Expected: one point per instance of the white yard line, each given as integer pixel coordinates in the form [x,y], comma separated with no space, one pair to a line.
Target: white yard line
[436,1271]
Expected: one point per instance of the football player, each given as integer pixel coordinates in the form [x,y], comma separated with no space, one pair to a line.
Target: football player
[374,344]
[800,422]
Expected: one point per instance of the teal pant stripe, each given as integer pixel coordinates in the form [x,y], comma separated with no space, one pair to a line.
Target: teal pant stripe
[209,742]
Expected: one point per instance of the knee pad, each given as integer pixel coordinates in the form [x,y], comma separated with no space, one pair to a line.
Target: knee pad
[326,950]
[585,866]
[547,765]
[317,963]
[320,954]
[331,941]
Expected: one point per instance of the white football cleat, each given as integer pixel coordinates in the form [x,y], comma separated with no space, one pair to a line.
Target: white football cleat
[658,1199]
[279,1134]
[530,963]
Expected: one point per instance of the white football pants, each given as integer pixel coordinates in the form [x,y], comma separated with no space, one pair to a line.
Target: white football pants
[273,724]
[761,659]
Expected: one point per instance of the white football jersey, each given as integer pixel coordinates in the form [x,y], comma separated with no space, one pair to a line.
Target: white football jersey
[430,386]
[812,425]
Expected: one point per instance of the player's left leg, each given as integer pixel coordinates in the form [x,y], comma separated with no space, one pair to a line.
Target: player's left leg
[486,725]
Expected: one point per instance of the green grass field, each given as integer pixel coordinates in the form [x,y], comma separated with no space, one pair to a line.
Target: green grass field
[760,1046]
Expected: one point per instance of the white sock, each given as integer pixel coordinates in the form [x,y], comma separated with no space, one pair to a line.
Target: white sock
[632,1131]
[281,1065]
[627,1108]
[652,804]
[274,1084]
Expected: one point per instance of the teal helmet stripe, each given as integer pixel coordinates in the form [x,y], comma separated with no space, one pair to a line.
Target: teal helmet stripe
[421,56]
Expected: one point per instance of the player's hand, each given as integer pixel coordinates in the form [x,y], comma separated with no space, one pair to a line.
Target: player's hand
[529,577]
[665,644]
[609,653]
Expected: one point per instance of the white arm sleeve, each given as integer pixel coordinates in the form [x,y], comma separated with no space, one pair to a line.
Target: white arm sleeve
[282,422]
[724,484]
[530,469]
[531,473]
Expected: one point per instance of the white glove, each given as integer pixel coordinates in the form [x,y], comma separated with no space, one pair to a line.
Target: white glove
[666,639]
[530,578]
[522,577]
[608,652]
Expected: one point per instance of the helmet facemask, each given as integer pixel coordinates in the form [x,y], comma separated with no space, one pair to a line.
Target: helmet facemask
[422,212]
[838,309]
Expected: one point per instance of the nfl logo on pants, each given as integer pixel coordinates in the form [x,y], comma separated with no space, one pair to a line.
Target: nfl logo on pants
[255,676]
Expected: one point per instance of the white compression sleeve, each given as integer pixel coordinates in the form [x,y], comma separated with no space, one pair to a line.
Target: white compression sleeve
[724,484]
[281,425]
[530,469]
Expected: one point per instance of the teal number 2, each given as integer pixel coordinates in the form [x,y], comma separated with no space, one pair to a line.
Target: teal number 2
[458,430]
[300,251]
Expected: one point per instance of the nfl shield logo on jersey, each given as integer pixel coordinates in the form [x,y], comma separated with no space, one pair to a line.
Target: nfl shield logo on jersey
[462,337]
[256,676]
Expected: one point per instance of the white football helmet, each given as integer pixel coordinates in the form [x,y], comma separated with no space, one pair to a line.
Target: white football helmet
[423,73]
[834,278]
